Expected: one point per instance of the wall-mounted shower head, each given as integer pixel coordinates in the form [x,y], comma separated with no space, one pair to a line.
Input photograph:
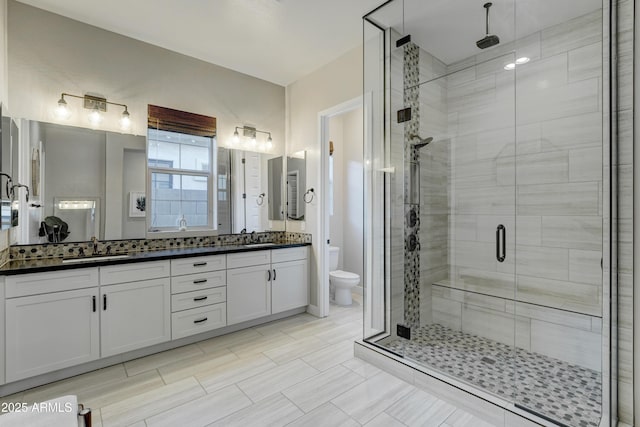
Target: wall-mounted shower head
[488,40]
[420,142]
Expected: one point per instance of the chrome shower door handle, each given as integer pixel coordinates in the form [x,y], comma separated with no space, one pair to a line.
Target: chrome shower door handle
[501,244]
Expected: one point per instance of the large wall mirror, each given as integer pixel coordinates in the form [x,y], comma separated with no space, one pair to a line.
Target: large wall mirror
[296,186]
[88,182]
[8,166]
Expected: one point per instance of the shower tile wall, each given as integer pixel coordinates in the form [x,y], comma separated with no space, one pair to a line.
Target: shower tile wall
[550,192]
[429,264]
[412,156]
[623,169]
[434,181]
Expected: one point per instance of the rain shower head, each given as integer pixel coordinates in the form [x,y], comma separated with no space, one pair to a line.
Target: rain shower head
[421,142]
[490,39]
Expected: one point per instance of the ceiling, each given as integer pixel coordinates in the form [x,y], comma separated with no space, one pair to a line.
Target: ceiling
[276,40]
[283,40]
[449,29]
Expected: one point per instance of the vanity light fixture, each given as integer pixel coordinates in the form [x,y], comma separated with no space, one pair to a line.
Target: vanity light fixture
[97,105]
[251,133]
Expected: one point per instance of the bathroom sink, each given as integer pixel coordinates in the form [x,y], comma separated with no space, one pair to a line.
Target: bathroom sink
[258,245]
[95,258]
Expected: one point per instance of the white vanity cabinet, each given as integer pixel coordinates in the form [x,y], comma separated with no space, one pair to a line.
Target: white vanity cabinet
[137,313]
[289,279]
[248,286]
[53,330]
[198,295]
[59,319]
[266,282]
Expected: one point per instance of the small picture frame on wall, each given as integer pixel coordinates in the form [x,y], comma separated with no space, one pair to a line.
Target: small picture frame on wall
[137,204]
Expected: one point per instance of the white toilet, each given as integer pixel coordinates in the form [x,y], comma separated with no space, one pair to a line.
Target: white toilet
[342,282]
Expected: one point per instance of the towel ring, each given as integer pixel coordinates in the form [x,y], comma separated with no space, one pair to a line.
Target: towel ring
[260,199]
[309,192]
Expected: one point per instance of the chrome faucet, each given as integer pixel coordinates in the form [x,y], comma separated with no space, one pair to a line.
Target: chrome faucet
[95,242]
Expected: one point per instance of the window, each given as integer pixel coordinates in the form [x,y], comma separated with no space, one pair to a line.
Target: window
[180,177]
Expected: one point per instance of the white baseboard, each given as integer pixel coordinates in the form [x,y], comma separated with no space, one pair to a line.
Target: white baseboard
[313,310]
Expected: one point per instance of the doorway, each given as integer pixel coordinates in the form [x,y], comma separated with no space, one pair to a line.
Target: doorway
[342,175]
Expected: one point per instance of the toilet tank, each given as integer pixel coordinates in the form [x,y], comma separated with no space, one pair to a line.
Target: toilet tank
[334,252]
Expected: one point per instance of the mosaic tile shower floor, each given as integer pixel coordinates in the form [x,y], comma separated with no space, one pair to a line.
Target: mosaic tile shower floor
[558,390]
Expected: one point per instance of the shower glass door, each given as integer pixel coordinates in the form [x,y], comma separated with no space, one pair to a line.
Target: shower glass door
[561,212]
[489,175]
[452,198]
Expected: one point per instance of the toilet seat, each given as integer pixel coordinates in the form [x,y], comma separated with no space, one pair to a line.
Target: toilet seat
[345,276]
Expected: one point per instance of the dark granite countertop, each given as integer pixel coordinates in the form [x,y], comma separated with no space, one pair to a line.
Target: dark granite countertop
[14,267]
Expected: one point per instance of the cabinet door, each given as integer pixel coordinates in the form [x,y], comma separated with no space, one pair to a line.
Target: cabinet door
[134,315]
[248,293]
[51,331]
[290,286]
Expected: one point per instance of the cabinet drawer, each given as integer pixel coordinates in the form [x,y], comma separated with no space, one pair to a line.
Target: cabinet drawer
[54,281]
[246,259]
[196,299]
[196,282]
[125,273]
[197,320]
[198,264]
[289,254]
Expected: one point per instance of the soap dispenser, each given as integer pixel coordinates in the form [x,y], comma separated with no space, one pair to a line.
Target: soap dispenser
[182,225]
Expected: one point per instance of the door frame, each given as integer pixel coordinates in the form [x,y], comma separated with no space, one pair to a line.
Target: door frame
[323,137]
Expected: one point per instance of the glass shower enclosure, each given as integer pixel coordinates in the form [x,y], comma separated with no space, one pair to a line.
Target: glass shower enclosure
[488,192]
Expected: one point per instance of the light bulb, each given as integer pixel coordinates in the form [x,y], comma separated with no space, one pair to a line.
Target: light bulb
[522,60]
[125,120]
[62,110]
[253,141]
[510,66]
[269,143]
[236,137]
[95,117]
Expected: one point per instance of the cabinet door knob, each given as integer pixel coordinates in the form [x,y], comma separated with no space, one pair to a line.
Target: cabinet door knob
[268,275]
[199,264]
[197,282]
[200,298]
[200,320]
[94,303]
[104,301]
[274,274]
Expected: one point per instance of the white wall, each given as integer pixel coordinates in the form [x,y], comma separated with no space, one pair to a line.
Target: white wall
[50,54]
[353,193]
[4,235]
[346,223]
[330,85]
[336,221]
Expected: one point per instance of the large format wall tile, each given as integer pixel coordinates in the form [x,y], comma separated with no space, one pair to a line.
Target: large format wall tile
[578,32]
[585,62]
[581,131]
[568,344]
[559,199]
[564,295]
[574,232]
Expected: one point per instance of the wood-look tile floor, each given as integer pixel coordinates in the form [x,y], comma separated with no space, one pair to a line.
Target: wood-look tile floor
[298,371]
